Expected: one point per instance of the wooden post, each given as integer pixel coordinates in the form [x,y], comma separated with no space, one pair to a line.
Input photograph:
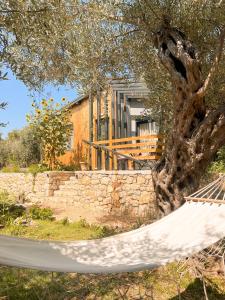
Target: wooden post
[90,118]
[99,127]
[130,165]
[119,115]
[90,128]
[115,162]
[110,132]
[94,150]
[106,130]
[105,133]
[115,114]
[103,160]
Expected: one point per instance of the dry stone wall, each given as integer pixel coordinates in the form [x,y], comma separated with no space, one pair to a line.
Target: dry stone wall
[26,186]
[111,191]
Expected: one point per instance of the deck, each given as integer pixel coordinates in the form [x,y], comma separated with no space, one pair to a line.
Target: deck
[124,152]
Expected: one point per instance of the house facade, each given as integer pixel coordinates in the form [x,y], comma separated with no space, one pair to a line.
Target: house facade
[115,114]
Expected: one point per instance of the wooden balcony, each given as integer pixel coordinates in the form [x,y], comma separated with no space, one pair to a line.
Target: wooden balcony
[109,154]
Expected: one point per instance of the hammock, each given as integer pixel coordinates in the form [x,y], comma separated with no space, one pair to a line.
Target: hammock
[189,229]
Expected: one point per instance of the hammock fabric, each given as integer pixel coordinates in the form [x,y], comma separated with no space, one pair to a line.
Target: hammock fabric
[191,228]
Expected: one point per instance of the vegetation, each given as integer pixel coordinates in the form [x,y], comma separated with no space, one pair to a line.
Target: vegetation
[19,150]
[38,213]
[51,123]
[37,168]
[162,284]
[37,223]
[8,209]
[218,166]
[2,106]
[176,46]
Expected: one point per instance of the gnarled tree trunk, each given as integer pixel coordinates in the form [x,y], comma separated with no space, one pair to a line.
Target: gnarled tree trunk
[196,133]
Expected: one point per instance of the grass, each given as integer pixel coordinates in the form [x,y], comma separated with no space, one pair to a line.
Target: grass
[52,230]
[161,284]
[18,284]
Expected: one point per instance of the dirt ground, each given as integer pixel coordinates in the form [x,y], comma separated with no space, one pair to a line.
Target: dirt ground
[77,212]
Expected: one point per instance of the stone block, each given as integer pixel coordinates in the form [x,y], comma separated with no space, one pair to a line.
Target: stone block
[141,180]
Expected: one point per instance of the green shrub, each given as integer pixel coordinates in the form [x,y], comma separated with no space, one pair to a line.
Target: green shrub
[37,168]
[38,213]
[65,221]
[82,223]
[218,166]
[21,147]
[11,169]
[9,210]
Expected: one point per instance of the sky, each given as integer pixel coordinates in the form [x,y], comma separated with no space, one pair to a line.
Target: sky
[19,100]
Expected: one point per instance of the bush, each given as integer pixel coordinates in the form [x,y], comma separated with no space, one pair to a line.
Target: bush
[11,169]
[37,168]
[38,213]
[21,148]
[82,223]
[218,166]
[65,221]
[9,210]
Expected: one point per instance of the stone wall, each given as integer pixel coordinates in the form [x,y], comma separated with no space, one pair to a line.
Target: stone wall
[26,186]
[110,191]
[113,191]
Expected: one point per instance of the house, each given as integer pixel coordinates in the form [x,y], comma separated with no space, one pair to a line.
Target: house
[110,128]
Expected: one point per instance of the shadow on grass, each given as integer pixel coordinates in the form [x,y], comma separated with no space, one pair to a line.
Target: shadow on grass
[195,291]
[20,284]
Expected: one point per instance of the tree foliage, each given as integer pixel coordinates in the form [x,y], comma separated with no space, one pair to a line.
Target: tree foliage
[20,148]
[176,46]
[52,41]
[52,125]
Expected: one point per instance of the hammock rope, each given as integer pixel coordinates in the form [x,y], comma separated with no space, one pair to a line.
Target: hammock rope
[213,192]
[193,227]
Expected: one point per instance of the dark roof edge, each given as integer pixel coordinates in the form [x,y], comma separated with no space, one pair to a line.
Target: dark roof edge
[113,82]
[77,100]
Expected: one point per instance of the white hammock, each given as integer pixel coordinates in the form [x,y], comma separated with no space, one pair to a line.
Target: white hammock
[191,228]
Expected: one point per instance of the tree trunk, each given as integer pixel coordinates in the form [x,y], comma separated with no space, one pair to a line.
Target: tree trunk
[196,133]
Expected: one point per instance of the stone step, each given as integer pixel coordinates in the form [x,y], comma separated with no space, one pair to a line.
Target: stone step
[67,187]
[71,184]
[64,200]
[69,201]
[74,179]
[65,193]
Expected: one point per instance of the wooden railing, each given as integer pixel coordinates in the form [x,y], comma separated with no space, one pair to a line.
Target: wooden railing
[131,149]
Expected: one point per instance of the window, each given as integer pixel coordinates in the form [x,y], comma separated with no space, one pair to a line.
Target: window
[147,128]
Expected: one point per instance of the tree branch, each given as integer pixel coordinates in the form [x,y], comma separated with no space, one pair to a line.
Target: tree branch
[211,131]
[201,92]
[219,3]
[6,11]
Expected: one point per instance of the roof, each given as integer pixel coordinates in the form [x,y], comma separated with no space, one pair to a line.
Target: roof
[129,87]
[77,100]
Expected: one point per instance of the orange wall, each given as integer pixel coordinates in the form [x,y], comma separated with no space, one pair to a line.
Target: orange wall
[80,121]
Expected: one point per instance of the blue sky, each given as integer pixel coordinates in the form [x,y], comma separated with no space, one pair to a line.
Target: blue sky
[19,100]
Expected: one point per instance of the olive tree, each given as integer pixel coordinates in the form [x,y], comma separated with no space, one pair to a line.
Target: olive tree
[176,46]
[20,148]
